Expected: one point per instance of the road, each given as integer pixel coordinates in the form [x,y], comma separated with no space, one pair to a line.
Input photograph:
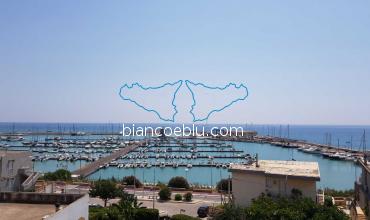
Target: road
[171,207]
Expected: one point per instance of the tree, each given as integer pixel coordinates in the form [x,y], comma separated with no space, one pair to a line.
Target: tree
[132,180]
[183,217]
[165,193]
[188,196]
[230,211]
[292,208]
[105,189]
[127,206]
[178,182]
[223,185]
[147,214]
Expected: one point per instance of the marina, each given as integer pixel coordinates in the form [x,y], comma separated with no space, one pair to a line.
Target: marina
[107,155]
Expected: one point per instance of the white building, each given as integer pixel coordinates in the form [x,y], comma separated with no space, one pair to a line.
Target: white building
[273,178]
[16,172]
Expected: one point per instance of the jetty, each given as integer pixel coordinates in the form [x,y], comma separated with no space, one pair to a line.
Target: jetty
[96,165]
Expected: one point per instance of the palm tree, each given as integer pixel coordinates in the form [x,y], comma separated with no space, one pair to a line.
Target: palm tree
[127,206]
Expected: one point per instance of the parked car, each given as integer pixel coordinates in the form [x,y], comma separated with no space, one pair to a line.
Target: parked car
[203,211]
[95,206]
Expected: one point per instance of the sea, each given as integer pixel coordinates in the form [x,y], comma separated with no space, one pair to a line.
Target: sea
[334,173]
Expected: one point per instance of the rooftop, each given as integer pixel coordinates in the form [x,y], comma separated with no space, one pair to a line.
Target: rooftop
[298,169]
[21,211]
[14,153]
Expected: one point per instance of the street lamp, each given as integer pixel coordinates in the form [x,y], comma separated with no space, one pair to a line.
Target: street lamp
[155,165]
[186,173]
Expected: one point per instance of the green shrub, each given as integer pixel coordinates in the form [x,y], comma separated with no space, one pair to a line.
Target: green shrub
[147,214]
[188,196]
[265,207]
[178,182]
[339,193]
[183,217]
[165,193]
[178,197]
[61,175]
[161,185]
[223,185]
[131,180]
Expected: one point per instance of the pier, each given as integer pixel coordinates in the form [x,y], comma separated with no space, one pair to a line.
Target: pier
[94,166]
[330,151]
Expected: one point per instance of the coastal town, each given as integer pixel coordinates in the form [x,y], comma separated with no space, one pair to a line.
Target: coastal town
[184,110]
[250,176]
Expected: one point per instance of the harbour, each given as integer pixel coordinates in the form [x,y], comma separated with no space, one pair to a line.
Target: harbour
[93,152]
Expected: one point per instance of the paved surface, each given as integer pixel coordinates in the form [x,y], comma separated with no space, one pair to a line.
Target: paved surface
[18,211]
[206,197]
[171,207]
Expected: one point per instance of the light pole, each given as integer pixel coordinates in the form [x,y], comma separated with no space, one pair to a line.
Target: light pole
[212,163]
[134,181]
[143,184]
[186,173]
[155,164]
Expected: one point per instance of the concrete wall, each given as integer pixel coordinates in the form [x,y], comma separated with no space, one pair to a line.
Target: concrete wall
[364,181]
[78,210]
[284,186]
[10,179]
[247,186]
[38,198]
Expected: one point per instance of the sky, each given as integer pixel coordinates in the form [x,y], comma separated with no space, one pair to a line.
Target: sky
[304,62]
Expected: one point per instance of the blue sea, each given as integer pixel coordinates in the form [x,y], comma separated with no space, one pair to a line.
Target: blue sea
[334,174]
[343,135]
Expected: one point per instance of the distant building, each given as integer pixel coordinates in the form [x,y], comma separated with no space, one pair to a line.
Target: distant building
[273,178]
[362,193]
[16,172]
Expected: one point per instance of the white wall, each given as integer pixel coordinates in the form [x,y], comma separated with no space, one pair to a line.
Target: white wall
[78,210]
[246,187]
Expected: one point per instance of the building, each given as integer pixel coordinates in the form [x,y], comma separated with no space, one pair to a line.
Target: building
[16,173]
[362,194]
[273,178]
[46,206]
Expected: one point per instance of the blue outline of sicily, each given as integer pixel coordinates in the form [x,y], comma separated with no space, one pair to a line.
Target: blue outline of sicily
[198,114]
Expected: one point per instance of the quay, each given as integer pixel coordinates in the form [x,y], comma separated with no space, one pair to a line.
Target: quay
[94,166]
[331,151]
[204,157]
[189,151]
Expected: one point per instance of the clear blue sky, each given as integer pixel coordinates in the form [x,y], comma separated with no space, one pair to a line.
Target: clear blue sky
[305,62]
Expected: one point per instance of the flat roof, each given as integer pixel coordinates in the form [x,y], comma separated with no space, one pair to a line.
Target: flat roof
[14,153]
[298,169]
[22,211]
